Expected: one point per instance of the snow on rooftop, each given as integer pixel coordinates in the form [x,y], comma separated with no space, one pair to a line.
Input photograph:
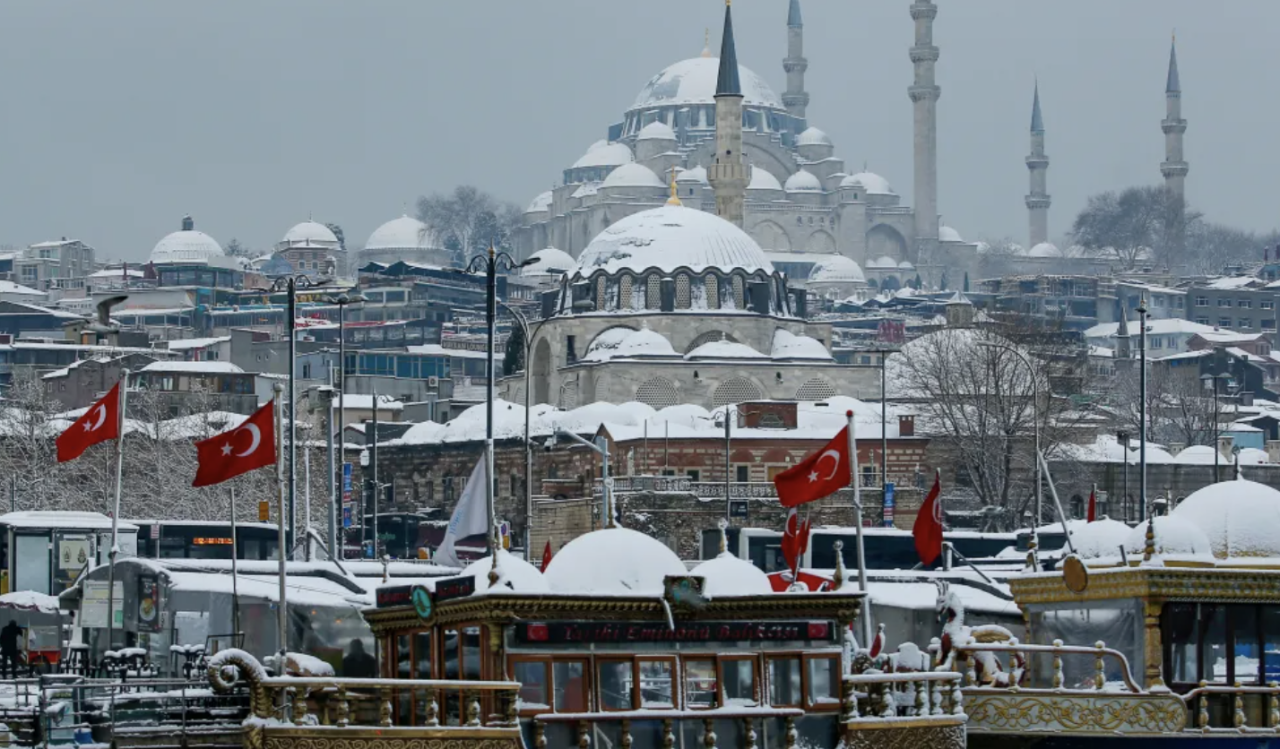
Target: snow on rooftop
[193,343]
[672,237]
[869,182]
[29,600]
[613,561]
[9,287]
[763,179]
[693,81]
[605,154]
[727,576]
[365,402]
[1240,518]
[540,203]
[724,349]
[549,261]
[1232,282]
[61,519]
[788,345]
[193,367]
[803,181]
[632,175]
[1154,327]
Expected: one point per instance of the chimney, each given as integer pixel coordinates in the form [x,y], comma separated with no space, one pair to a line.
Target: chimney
[188,224]
[907,426]
[1225,443]
[549,299]
[1246,397]
[1273,451]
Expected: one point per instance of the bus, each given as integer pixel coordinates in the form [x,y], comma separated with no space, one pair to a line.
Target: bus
[886,548]
[203,539]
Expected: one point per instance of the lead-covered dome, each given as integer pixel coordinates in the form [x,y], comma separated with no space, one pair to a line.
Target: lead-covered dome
[870,183]
[603,153]
[632,175]
[548,262]
[1240,518]
[836,269]
[309,234]
[803,181]
[693,81]
[186,246]
[404,233]
[613,561]
[672,237]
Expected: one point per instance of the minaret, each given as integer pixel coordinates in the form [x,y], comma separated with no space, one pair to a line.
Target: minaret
[1123,351]
[727,174]
[796,98]
[1174,167]
[1038,165]
[924,94]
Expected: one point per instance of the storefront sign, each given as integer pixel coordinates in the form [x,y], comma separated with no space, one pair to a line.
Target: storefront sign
[554,633]
[455,587]
[73,552]
[738,509]
[394,595]
[93,604]
[888,504]
[148,603]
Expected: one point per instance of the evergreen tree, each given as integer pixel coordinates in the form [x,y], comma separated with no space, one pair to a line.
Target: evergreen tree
[513,357]
[966,282]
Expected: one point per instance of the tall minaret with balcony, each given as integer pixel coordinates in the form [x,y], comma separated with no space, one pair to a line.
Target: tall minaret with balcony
[796,99]
[1038,164]
[728,173]
[1174,168]
[924,93]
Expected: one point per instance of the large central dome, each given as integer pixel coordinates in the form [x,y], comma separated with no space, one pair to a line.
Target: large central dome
[672,237]
[693,81]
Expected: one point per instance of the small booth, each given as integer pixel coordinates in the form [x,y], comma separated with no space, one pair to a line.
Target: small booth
[46,552]
[40,622]
[619,643]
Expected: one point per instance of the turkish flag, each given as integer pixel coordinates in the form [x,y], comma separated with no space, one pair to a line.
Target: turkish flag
[546,557]
[99,424]
[820,475]
[250,445]
[928,527]
[1093,506]
[782,580]
[795,540]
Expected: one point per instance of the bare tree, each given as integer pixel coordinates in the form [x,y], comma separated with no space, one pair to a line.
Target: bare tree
[1179,410]
[1134,225]
[468,219]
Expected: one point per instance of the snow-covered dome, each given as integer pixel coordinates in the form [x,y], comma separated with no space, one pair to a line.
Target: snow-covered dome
[788,345]
[549,261]
[727,575]
[696,174]
[813,137]
[1252,456]
[947,234]
[1101,538]
[632,175]
[1044,249]
[613,561]
[540,203]
[671,237]
[1174,536]
[1197,455]
[884,261]
[1241,518]
[404,233]
[836,269]
[724,349]
[693,81]
[869,182]
[602,153]
[514,574]
[763,179]
[803,181]
[186,246]
[309,234]
[906,265]
[656,130]
[645,342]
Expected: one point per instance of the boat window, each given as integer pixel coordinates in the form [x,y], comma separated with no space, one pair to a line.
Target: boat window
[824,680]
[784,681]
[739,678]
[471,653]
[656,684]
[1271,643]
[614,678]
[532,676]
[404,670]
[1246,644]
[422,655]
[700,687]
[568,679]
[1213,644]
[451,648]
[1180,620]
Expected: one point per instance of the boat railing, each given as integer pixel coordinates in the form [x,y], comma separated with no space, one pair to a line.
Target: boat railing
[355,702]
[1110,667]
[1234,707]
[874,696]
[746,727]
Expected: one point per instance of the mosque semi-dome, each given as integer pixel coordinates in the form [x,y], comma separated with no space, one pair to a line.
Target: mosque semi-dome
[672,237]
[603,153]
[632,175]
[763,179]
[803,181]
[656,130]
[548,261]
[947,234]
[540,203]
[697,174]
[186,246]
[836,269]
[404,233]
[1044,249]
[813,137]
[869,182]
[693,81]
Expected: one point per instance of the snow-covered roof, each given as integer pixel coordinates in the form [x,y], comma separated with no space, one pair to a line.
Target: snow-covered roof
[812,136]
[763,179]
[1232,282]
[404,233]
[549,261]
[515,575]
[9,287]
[186,247]
[436,349]
[656,130]
[365,402]
[1251,456]
[1154,327]
[728,576]
[947,234]
[185,344]
[1100,539]
[869,182]
[1217,335]
[836,269]
[540,203]
[193,367]
[1198,455]
[672,237]
[788,345]
[613,561]
[621,343]
[1044,249]
[1174,536]
[1240,518]
[602,153]
[803,181]
[309,233]
[586,189]
[632,175]
[61,519]
[724,349]
[29,600]
[696,174]
[693,81]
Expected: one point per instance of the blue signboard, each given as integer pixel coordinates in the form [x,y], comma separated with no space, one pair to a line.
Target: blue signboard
[888,504]
[346,514]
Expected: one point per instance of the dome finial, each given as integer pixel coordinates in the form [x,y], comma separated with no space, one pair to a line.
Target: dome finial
[837,579]
[723,525]
[674,199]
[706,42]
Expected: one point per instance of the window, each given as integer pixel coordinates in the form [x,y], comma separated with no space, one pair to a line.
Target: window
[784,681]
[1268,324]
[823,674]
[569,685]
[694,475]
[739,678]
[1245,303]
[1224,322]
[615,681]
[1157,342]
[743,474]
[1224,302]
[700,685]
[1202,321]
[1245,323]
[656,683]
[1202,301]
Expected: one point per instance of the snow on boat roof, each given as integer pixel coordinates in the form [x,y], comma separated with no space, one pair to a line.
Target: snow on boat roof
[61,519]
[29,600]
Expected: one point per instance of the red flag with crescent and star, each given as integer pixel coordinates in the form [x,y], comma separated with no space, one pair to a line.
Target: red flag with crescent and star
[250,445]
[99,424]
[928,526]
[820,475]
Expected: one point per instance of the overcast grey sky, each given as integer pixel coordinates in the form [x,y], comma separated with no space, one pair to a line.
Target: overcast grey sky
[118,117]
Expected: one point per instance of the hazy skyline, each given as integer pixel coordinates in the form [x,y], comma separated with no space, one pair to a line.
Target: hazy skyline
[120,117]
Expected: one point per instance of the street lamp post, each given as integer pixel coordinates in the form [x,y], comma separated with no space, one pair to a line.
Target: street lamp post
[336,547]
[1123,439]
[523,322]
[1142,408]
[1035,414]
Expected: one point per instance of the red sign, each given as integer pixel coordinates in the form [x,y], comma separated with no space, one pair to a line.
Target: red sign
[455,587]
[394,595]
[628,632]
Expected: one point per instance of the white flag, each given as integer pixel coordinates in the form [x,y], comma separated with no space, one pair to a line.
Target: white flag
[470,517]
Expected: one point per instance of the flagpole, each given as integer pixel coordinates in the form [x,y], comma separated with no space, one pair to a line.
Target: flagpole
[857,519]
[282,617]
[235,573]
[115,513]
